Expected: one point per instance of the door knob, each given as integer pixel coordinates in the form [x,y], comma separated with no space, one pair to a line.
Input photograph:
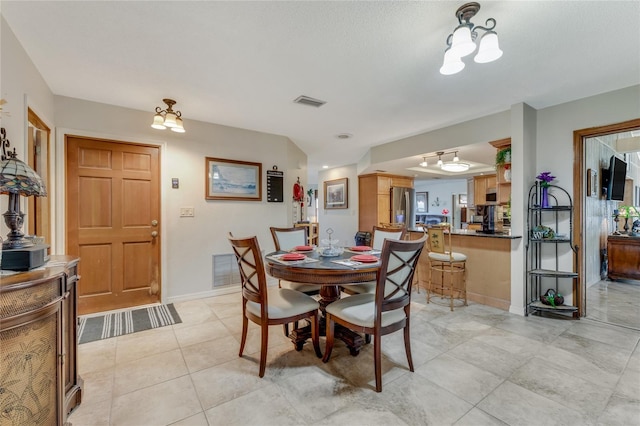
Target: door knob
[154,234]
[154,223]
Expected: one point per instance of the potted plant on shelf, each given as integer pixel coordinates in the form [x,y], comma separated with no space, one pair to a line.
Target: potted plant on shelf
[628,212]
[503,156]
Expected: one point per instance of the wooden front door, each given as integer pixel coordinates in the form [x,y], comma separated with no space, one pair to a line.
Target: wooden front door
[113,214]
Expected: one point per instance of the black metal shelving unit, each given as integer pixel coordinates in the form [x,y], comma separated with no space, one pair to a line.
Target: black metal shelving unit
[544,247]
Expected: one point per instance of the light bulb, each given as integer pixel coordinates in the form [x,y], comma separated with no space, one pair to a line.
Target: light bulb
[452,63]
[461,44]
[424,162]
[455,158]
[489,49]
[158,122]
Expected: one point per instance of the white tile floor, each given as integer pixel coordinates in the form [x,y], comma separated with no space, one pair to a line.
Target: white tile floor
[474,366]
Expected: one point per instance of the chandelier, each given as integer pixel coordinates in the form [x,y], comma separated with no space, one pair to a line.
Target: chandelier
[454,166]
[168,118]
[461,42]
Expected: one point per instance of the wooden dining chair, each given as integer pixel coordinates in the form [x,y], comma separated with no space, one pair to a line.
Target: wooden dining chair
[268,306]
[385,311]
[449,265]
[286,239]
[380,233]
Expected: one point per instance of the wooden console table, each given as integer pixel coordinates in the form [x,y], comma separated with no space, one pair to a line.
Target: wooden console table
[623,254]
[38,343]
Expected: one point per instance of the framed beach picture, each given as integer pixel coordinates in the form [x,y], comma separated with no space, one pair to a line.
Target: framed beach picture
[422,202]
[232,180]
[336,194]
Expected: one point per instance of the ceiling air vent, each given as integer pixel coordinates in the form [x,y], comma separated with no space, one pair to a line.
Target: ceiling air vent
[306,100]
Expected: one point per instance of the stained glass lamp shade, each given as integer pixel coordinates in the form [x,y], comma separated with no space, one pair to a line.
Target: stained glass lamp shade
[17,178]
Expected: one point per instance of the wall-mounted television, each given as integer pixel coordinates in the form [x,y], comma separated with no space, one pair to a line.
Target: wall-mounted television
[613,180]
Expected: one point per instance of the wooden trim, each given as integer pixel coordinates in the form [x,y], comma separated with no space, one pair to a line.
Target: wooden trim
[579,194]
[501,143]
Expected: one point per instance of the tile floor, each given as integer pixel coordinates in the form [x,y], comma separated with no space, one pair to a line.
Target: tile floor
[474,366]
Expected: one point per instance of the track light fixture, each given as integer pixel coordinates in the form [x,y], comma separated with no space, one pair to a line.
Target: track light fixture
[462,41]
[168,118]
[455,165]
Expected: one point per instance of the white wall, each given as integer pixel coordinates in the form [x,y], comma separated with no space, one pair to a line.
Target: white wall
[22,86]
[441,190]
[344,222]
[189,243]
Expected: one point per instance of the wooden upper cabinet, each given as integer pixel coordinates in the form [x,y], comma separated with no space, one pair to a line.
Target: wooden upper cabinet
[503,182]
[374,198]
[480,186]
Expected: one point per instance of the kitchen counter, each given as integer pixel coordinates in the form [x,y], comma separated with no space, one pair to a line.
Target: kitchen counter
[488,265]
[471,233]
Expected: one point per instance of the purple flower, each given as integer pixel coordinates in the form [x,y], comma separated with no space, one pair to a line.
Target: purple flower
[546,178]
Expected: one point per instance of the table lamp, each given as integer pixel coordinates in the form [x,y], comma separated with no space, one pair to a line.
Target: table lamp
[17,178]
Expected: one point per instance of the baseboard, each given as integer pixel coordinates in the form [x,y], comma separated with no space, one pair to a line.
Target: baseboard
[204,294]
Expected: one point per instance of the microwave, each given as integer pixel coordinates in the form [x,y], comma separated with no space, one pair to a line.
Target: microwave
[491,195]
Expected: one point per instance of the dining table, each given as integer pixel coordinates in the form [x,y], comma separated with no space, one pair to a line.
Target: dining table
[331,273]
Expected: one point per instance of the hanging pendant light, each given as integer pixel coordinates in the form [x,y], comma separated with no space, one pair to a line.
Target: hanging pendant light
[462,41]
[168,118]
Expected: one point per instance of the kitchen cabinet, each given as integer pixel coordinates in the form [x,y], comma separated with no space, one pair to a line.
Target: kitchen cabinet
[503,173]
[374,198]
[480,186]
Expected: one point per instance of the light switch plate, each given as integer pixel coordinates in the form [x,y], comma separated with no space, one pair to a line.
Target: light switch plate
[187,212]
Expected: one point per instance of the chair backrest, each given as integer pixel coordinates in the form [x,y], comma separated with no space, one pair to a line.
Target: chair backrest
[287,238]
[381,233]
[399,260]
[439,240]
[252,272]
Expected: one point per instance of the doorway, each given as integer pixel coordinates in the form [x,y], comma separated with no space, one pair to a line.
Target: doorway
[594,218]
[112,222]
[39,208]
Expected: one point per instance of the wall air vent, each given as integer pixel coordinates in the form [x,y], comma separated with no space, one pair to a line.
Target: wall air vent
[306,100]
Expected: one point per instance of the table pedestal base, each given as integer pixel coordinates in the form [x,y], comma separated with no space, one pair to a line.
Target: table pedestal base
[353,340]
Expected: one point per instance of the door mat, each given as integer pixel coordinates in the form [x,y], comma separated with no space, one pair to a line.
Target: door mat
[126,322]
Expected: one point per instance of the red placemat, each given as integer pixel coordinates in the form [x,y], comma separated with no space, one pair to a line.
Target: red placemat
[293,256]
[364,258]
[361,248]
[303,248]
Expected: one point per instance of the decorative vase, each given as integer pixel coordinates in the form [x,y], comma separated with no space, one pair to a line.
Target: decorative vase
[544,202]
[507,175]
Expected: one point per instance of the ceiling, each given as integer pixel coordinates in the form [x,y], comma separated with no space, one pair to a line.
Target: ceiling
[376,64]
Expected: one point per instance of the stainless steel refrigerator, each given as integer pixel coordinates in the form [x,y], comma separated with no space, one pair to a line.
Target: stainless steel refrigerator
[403,201]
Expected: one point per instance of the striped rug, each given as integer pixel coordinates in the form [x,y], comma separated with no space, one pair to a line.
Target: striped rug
[126,322]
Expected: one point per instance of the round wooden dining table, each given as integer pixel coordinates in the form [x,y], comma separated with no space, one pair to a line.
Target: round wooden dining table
[330,275]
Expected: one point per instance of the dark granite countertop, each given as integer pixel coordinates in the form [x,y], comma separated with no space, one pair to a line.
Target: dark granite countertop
[471,233]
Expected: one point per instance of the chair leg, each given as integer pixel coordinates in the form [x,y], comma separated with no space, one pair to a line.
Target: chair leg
[429,283]
[451,284]
[407,344]
[264,330]
[367,338]
[377,361]
[245,324]
[329,338]
[285,327]
[315,335]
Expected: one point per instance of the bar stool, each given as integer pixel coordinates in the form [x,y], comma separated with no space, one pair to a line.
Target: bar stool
[450,265]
